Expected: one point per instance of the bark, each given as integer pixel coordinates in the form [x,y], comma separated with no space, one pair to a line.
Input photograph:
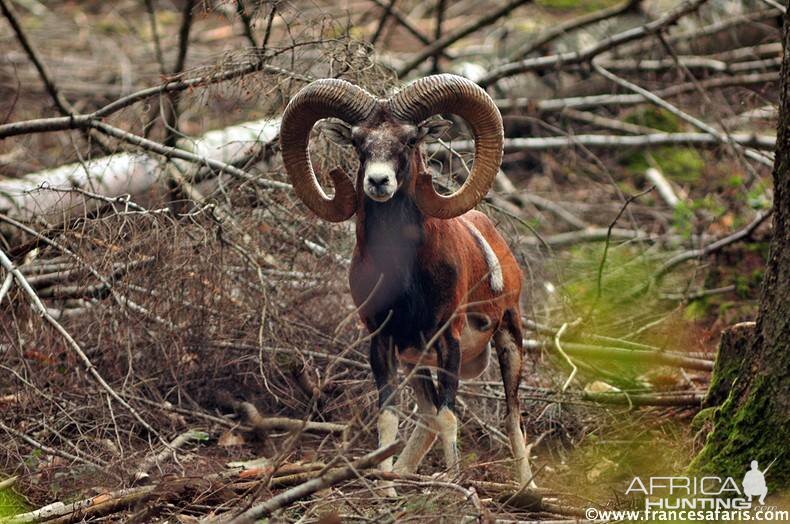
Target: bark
[753,422]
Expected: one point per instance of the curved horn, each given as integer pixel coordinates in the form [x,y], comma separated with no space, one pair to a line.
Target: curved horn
[321,99]
[454,94]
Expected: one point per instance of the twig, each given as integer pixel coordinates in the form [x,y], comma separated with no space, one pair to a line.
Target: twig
[46,449]
[382,22]
[452,37]
[63,105]
[160,59]
[593,101]
[565,356]
[599,279]
[60,102]
[437,35]
[645,399]
[60,124]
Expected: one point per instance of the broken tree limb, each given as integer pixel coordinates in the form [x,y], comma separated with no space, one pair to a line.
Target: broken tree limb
[663,187]
[27,198]
[453,36]
[634,355]
[543,63]
[264,424]
[617,141]
[645,399]
[175,444]
[326,480]
[574,25]
[606,100]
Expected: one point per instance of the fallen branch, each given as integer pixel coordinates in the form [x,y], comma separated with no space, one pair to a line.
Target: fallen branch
[576,57]
[573,25]
[638,356]
[265,424]
[645,399]
[713,247]
[156,459]
[617,141]
[325,481]
[453,36]
[606,100]
[663,187]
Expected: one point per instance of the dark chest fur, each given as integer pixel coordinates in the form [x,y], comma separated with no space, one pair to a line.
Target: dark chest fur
[410,289]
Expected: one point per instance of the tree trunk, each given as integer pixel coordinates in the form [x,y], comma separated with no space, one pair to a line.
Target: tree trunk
[753,421]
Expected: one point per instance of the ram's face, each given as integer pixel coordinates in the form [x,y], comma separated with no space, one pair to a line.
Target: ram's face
[385,150]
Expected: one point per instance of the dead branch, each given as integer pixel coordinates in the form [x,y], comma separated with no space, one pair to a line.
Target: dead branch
[663,187]
[573,25]
[618,141]
[265,424]
[646,399]
[154,460]
[722,137]
[325,481]
[713,247]
[453,36]
[576,57]
[607,100]
[637,356]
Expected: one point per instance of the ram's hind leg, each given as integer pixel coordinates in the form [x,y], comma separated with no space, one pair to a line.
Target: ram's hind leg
[448,374]
[509,350]
[424,434]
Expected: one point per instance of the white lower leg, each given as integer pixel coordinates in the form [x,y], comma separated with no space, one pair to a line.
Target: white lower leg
[519,448]
[420,442]
[448,430]
[388,432]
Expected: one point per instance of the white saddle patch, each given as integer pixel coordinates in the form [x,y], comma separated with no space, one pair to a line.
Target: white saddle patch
[494,267]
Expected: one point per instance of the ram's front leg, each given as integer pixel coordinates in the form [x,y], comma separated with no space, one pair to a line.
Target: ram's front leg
[449,360]
[385,372]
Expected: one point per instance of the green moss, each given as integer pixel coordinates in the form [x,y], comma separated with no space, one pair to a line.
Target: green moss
[682,164]
[655,118]
[11,504]
[696,310]
[740,436]
[702,418]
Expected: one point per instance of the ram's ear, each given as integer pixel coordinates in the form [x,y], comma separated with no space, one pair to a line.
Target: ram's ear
[337,131]
[433,129]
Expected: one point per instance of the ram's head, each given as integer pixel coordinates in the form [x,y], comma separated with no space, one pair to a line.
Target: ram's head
[385,134]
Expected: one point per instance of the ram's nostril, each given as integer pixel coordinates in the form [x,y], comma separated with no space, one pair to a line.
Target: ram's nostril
[378,180]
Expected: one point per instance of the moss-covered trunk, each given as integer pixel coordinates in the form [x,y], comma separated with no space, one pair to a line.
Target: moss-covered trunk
[753,422]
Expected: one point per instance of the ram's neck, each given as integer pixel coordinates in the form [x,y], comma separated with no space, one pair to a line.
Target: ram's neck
[390,232]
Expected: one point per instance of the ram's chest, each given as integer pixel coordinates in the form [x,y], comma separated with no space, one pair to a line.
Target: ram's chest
[405,302]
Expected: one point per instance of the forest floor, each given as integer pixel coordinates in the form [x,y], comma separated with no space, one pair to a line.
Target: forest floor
[237,322]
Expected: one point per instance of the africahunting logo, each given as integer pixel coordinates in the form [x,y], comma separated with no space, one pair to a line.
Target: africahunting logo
[710,498]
